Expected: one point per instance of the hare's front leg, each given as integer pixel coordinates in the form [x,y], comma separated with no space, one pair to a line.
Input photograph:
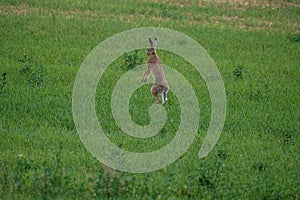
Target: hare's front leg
[146,75]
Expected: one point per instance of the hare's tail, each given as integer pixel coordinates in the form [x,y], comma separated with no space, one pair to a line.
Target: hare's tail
[164,97]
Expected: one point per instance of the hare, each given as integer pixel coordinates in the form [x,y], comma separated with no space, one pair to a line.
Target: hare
[154,66]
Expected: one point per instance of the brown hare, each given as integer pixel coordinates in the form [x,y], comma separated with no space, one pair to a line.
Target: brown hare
[154,66]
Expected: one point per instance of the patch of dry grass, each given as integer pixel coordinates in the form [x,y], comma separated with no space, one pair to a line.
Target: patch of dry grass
[278,21]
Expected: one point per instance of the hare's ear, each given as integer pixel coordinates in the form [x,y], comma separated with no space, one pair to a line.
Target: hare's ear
[155,42]
[151,43]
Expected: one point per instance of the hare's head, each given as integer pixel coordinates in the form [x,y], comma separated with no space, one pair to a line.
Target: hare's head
[152,49]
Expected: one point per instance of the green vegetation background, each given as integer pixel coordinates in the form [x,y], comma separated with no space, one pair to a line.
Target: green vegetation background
[256,46]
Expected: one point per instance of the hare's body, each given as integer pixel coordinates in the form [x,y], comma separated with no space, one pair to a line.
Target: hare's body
[155,69]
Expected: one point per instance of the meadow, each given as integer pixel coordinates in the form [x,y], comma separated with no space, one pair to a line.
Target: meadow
[256,47]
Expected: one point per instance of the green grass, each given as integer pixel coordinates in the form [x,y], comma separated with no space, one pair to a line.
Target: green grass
[256,48]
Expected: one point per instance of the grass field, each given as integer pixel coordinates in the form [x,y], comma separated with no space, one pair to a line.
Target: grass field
[256,47]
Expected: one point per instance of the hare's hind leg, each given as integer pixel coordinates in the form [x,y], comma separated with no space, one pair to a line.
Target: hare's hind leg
[155,92]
